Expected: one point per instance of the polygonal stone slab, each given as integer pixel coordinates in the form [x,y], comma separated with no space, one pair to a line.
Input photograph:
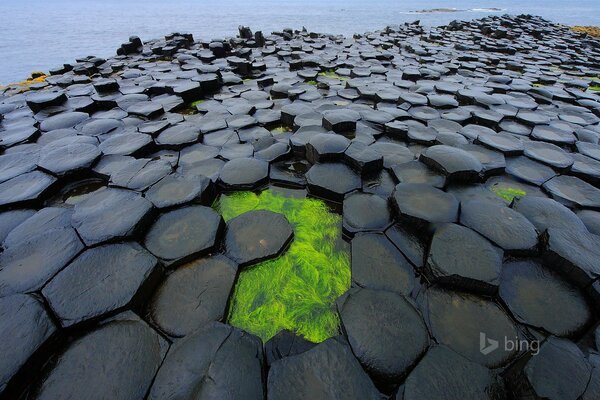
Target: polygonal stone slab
[417,172]
[123,354]
[175,189]
[244,173]
[45,220]
[285,344]
[528,170]
[332,181]
[364,212]
[257,235]
[29,187]
[63,120]
[330,363]
[180,235]
[27,266]
[385,331]
[109,214]
[24,327]
[340,120]
[216,362]
[456,164]
[326,147]
[125,144]
[424,204]
[362,158]
[539,297]
[502,225]
[461,258]
[546,213]
[193,295]
[100,281]
[12,165]
[548,153]
[572,191]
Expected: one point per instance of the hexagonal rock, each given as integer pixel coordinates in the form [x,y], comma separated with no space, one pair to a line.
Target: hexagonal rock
[501,225]
[528,170]
[331,364]
[332,181]
[244,173]
[458,321]
[445,375]
[539,297]
[590,218]
[174,190]
[340,120]
[63,120]
[456,164]
[16,164]
[508,144]
[378,264]
[285,344]
[573,253]
[100,281]
[256,236]
[139,174]
[417,172]
[27,266]
[40,100]
[362,158]
[424,204]
[558,371]
[9,220]
[122,354]
[45,220]
[24,327]
[546,213]
[364,212]
[385,331]
[67,156]
[26,188]
[290,111]
[573,192]
[216,362]
[548,153]
[326,147]
[461,258]
[125,143]
[411,246]
[180,235]
[193,295]
[109,214]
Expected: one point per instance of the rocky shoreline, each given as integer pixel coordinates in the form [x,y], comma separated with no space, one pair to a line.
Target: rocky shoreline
[411,213]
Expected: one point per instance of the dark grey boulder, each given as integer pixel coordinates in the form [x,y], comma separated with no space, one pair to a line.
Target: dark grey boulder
[461,258]
[257,235]
[101,280]
[424,204]
[183,234]
[109,214]
[385,331]
[174,190]
[363,212]
[193,295]
[456,164]
[417,172]
[331,368]
[285,344]
[244,173]
[340,121]
[326,147]
[332,181]
[215,362]
[362,158]
[411,245]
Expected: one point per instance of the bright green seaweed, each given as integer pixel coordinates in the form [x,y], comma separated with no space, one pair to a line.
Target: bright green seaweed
[297,290]
[508,193]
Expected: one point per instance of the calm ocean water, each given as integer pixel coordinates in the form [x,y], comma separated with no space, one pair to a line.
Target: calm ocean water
[42,34]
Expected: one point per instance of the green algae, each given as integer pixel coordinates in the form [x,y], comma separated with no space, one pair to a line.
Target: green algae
[594,88]
[195,103]
[330,74]
[508,193]
[296,291]
[312,82]
[281,129]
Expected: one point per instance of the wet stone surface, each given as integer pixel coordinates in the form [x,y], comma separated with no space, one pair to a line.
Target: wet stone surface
[446,184]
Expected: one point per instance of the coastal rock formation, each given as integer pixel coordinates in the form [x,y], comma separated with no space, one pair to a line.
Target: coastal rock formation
[154,201]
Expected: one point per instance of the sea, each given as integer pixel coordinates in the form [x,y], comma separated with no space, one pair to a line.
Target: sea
[37,35]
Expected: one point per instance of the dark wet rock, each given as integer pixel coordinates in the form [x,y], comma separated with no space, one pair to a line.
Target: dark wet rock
[178,136]
[216,362]
[123,354]
[493,162]
[546,213]
[45,220]
[285,344]
[40,100]
[68,156]
[539,297]
[461,258]
[9,220]
[393,153]
[26,188]
[417,172]
[174,190]
[24,327]
[340,120]
[458,320]
[27,266]
[109,214]
[332,181]
[548,153]
[291,111]
[573,253]
[591,220]
[244,173]
[553,135]
[445,375]
[378,264]
[365,213]
[141,173]
[125,144]
[12,165]
[63,120]
[573,192]
[501,225]
[558,371]
[101,280]
[424,204]
[148,109]
[326,147]
[455,163]
[257,235]
[193,295]
[183,234]
[393,340]
[332,369]
[100,126]
[529,171]
[194,154]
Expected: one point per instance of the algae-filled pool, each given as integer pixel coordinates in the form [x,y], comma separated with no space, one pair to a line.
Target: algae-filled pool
[297,290]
